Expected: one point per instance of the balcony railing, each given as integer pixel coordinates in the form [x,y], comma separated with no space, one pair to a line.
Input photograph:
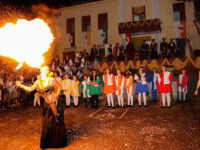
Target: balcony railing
[140,26]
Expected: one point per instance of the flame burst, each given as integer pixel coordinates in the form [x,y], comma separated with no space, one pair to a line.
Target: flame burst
[26,41]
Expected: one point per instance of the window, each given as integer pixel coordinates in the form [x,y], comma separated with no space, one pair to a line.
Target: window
[70,23]
[86,23]
[139,13]
[103,21]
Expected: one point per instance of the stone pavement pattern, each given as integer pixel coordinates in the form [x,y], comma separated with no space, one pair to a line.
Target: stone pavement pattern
[151,128]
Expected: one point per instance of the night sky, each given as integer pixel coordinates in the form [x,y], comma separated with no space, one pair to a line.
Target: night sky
[50,3]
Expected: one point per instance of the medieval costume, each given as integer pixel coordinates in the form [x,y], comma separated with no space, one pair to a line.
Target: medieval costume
[86,94]
[164,84]
[53,127]
[129,89]
[141,88]
[66,86]
[182,82]
[75,91]
[119,79]
[109,88]
[94,90]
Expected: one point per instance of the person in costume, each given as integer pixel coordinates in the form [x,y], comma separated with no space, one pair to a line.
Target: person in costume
[141,87]
[86,86]
[74,90]
[109,87]
[119,80]
[36,96]
[182,82]
[129,88]
[53,126]
[58,79]
[94,88]
[198,85]
[164,84]
[153,79]
[66,86]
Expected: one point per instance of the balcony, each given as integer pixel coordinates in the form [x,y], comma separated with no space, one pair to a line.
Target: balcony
[140,26]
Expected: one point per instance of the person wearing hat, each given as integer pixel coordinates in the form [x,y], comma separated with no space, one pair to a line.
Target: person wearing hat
[129,88]
[66,86]
[53,127]
[141,87]
[94,88]
[119,79]
[109,87]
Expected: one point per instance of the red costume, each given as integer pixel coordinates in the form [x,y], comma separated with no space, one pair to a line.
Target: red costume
[182,82]
[164,82]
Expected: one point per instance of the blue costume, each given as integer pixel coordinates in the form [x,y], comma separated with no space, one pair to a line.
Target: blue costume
[141,87]
[152,79]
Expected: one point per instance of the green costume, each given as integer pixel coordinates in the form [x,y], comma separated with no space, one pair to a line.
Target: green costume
[95,89]
[85,86]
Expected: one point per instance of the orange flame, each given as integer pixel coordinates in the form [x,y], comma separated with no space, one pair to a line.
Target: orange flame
[26,41]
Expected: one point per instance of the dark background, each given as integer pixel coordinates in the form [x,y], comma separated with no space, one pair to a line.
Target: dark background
[50,3]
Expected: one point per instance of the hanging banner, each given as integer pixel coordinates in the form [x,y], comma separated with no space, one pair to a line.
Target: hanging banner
[86,36]
[86,31]
[103,28]
[179,20]
[103,36]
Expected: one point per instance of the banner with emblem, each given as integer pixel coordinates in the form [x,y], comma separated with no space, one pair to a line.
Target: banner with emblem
[179,20]
[103,28]
[70,32]
[86,31]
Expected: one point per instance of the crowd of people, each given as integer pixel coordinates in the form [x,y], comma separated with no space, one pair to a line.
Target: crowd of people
[147,50]
[74,70]
[10,94]
[119,86]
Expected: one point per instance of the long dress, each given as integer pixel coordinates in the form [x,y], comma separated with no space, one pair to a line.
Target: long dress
[53,130]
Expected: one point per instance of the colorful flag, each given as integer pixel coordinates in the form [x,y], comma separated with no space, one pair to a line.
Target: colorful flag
[179,20]
[103,36]
[69,40]
[86,36]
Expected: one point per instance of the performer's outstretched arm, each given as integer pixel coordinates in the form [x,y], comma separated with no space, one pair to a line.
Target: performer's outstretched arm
[31,88]
[198,85]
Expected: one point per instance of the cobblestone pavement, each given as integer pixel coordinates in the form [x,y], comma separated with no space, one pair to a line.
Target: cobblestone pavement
[151,128]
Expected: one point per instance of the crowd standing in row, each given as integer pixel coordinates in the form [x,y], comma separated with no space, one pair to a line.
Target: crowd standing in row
[147,50]
[121,86]
[72,73]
